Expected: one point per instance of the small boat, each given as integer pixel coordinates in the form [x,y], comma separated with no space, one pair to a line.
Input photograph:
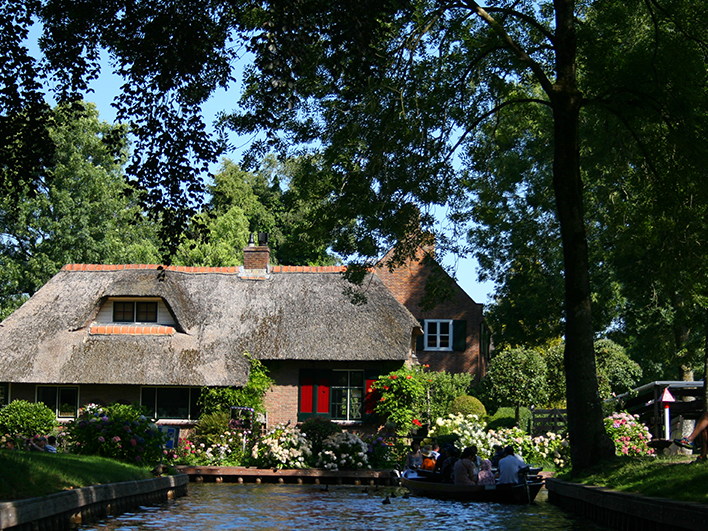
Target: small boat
[505,493]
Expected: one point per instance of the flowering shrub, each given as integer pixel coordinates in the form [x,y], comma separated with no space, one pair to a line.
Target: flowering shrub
[118,431]
[317,429]
[227,451]
[546,449]
[401,392]
[629,435]
[282,447]
[469,429]
[343,450]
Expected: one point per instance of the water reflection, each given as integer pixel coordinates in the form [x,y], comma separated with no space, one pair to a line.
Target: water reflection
[284,507]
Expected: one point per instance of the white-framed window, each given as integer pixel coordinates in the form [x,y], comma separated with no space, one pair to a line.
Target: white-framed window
[347,395]
[134,311]
[438,334]
[64,401]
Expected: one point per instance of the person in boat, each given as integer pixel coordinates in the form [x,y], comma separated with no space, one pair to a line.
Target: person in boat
[465,468]
[447,470]
[414,459]
[498,454]
[435,450]
[428,458]
[486,476]
[509,466]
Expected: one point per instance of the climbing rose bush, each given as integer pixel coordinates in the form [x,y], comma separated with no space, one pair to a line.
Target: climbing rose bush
[119,431]
[282,447]
[630,436]
[343,450]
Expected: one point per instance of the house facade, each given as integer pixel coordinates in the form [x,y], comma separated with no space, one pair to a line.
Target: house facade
[156,335]
[455,337]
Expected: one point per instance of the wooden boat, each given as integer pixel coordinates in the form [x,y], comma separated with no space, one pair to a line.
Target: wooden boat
[508,493]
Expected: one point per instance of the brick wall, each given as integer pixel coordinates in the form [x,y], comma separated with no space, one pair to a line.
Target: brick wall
[282,400]
[407,283]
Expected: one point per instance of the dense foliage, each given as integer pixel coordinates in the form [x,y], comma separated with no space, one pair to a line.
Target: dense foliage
[282,447]
[468,405]
[318,428]
[26,419]
[343,450]
[517,377]
[118,431]
[616,372]
[411,398]
[214,399]
[630,436]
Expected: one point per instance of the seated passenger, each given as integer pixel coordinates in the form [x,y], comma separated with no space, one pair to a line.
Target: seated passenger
[486,476]
[509,466]
[446,471]
[414,459]
[428,458]
[464,469]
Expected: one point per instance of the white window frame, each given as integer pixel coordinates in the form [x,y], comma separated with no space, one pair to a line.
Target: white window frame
[438,336]
[57,403]
[135,303]
[349,388]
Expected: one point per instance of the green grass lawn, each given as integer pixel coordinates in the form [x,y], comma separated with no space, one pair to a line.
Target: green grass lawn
[30,474]
[675,477]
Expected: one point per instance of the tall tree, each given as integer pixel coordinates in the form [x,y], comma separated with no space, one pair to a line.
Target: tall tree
[83,212]
[393,89]
[267,200]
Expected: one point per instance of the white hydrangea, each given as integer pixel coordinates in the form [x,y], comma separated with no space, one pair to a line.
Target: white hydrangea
[343,450]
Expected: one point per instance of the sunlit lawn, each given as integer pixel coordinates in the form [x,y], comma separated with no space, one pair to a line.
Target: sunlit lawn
[28,474]
[676,477]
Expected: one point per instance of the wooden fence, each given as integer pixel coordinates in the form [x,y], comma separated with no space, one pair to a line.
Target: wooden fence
[545,420]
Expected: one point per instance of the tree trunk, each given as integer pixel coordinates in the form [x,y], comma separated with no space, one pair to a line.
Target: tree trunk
[589,442]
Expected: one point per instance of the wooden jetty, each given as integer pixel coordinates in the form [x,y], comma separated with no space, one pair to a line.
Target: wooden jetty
[316,476]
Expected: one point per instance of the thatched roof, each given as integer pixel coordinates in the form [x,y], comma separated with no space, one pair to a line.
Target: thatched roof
[218,316]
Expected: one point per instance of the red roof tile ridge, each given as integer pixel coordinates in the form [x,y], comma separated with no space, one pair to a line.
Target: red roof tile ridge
[203,269]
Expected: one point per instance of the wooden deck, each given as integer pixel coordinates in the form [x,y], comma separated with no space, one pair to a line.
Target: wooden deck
[316,476]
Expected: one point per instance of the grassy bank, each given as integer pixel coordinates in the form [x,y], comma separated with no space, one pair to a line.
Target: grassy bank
[675,477]
[30,474]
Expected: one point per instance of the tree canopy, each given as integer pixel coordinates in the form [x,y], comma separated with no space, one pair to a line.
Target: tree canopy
[396,99]
[83,211]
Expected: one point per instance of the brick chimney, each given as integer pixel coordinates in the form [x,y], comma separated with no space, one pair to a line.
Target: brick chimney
[256,257]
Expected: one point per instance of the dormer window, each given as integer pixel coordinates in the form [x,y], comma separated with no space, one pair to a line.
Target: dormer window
[134,312]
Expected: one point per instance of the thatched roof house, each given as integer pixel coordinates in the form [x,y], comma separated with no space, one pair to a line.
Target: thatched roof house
[217,316]
[100,325]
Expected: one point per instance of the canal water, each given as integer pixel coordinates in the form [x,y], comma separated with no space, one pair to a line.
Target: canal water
[228,506]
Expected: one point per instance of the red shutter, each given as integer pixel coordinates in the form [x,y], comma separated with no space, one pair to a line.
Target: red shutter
[306,396]
[323,395]
[369,396]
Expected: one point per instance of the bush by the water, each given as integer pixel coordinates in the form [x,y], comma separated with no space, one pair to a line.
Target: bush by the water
[211,426]
[21,419]
[550,449]
[117,431]
[282,447]
[343,450]
[317,429]
[468,405]
[630,436]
